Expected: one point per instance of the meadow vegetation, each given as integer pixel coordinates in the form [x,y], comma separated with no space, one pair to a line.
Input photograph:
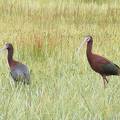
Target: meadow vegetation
[45,35]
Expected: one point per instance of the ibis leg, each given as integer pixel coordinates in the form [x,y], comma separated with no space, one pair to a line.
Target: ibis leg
[105,81]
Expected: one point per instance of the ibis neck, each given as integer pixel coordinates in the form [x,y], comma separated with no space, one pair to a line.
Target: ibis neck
[89,49]
[10,56]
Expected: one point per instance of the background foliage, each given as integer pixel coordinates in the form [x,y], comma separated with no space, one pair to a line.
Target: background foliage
[45,35]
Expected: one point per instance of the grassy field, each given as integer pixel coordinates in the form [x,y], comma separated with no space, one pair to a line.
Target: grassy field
[45,35]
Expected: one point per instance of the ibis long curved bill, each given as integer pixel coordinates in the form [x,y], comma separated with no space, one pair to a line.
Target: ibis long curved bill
[81,45]
[5,47]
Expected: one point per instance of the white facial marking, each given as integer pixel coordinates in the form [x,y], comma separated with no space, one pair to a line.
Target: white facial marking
[87,39]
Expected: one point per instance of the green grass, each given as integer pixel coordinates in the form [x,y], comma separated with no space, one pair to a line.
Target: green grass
[45,35]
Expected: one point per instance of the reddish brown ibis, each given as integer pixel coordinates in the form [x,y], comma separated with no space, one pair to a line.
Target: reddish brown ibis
[18,71]
[98,63]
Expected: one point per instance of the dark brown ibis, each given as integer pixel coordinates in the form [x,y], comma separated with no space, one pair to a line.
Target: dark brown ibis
[18,71]
[98,63]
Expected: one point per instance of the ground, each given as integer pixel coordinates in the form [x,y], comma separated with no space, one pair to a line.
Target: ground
[45,35]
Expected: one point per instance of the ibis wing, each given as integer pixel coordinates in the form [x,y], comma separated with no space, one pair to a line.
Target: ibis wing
[20,72]
[110,69]
[104,66]
[17,75]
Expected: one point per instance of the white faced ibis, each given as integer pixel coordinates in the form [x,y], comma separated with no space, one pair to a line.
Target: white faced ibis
[18,71]
[100,64]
